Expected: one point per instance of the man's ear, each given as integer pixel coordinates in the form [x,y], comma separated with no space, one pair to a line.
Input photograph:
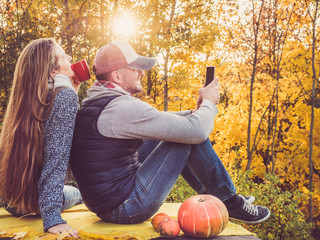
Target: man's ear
[116,77]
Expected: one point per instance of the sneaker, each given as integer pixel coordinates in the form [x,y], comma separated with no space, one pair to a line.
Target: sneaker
[249,213]
[248,199]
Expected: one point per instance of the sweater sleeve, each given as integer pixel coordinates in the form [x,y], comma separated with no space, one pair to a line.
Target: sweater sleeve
[183,113]
[133,118]
[58,139]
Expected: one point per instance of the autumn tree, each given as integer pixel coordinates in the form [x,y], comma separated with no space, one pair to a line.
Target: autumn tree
[279,15]
[262,50]
[18,25]
[246,40]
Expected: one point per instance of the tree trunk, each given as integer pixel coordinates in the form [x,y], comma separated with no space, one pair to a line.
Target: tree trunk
[166,63]
[249,153]
[255,60]
[275,123]
[312,112]
[102,22]
[268,160]
[278,38]
[18,31]
[114,15]
[68,33]
[165,79]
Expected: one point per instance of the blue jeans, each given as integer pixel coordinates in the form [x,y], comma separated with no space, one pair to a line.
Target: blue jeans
[71,197]
[161,165]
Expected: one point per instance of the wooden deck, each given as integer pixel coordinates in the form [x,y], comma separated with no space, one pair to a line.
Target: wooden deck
[91,227]
[214,238]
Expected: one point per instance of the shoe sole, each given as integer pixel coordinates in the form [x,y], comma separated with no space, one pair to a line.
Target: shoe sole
[252,222]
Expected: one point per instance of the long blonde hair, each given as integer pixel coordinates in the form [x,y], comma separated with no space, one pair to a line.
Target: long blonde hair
[22,135]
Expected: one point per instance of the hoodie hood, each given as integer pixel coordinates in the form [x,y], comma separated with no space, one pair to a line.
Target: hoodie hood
[98,91]
[60,80]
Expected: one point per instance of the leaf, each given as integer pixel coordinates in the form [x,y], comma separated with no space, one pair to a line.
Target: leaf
[20,235]
[64,234]
[47,236]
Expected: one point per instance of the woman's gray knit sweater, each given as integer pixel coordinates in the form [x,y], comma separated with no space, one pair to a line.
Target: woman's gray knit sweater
[58,139]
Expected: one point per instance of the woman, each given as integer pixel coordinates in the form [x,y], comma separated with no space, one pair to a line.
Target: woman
[36,136]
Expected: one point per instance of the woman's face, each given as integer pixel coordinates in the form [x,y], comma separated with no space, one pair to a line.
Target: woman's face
[64,62]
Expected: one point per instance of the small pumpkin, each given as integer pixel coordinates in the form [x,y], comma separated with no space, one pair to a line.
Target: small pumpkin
[203,216]
[169,228]
[157,219]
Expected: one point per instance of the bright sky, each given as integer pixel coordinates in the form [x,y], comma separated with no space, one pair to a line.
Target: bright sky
[125,25]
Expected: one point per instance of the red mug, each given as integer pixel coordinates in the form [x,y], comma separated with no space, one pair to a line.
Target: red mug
[81,70]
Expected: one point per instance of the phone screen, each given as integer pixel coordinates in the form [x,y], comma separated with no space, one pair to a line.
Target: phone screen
[209,75]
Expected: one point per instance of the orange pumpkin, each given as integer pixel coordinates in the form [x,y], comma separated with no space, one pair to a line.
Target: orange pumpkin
[157,219]
[203,216]
[169,228]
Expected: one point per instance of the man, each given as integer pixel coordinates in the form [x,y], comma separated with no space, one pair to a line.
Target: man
[127,155]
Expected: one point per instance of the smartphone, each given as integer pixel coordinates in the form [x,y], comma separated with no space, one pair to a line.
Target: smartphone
[210,75]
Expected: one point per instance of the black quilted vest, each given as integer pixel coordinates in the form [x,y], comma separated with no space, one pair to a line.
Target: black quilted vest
[103,167]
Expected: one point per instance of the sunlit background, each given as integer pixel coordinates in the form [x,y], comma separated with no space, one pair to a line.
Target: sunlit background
[273,36]
[125,25]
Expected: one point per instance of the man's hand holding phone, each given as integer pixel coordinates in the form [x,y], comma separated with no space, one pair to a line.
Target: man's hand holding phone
[210,92]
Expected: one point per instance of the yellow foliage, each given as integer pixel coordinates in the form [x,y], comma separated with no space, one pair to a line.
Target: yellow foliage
[29,233]
[199,34]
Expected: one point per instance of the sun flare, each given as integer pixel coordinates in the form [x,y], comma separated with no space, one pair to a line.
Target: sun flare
[125,25]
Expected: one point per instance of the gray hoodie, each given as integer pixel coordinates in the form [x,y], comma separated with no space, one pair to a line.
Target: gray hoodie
[127,117]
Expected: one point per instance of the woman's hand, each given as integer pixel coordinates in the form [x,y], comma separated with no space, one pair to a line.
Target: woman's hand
[75,82]
[64,227]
